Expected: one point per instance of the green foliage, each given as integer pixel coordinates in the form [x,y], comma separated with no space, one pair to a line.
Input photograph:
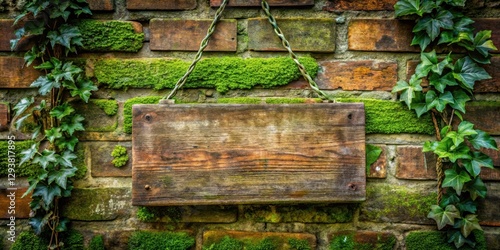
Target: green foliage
[223,74]
[127,110]
[438,241]
[144,214]
[152,214]
[110,107]
[142,240]
[226,243]
[372,154]
[110,36]
[73,240]
[296,244]
[451,85]
[96,243]
[29,241]
[348,242]
[265,244]
[120,156]
[51,25]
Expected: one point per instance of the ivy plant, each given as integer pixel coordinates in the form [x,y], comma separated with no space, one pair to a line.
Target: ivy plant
[50,33]
[442,85]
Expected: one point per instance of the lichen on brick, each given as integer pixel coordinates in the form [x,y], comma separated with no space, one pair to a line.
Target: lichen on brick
[389,117]
[221,73]
[437,240]
[110,36]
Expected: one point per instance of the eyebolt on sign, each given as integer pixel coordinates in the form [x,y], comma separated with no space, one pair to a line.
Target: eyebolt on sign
[11,189]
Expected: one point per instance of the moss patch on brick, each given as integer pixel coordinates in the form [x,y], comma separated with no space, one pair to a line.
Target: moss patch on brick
[96,204]
[29,241]
[268,100]
[340,213]
[222,73]
[389,117]
[110,107]
[396,204]
[143,240]
[120,156]
[96,243]
[110,36]
[127,112]
[154,214]
[255,243]
[349,241]
[438,241]
[297,244]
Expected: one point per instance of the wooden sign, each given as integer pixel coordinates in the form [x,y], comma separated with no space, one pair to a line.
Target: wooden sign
[206,154]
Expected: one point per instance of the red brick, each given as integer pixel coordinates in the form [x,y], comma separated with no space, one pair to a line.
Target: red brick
[161,5]
[488,208]
[4,116]
[169,34]
[313,35]
[414,164]
[105,5]
[378,169]
[14,74]
[484,115]
[488,173]
[253,3]
[346,5]
[381,35]
[7,31]
[358,75]
[22,205]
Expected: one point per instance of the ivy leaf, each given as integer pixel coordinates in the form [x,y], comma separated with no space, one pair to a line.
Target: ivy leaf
[467,72]
[45,158]
[60,177]
[53,134]
[468,224]
[438,102]
[428,60]
[483,42]
[444,217]
[29,153]
[73,124]
[446,149]
[465,128]
[62,111]
[455,180]
[421,39]
[467,206]
[460,98]
[449,198]
[408,89]
[430,146]
[441,82]
[458,239]
[433,24]
[46,65]
[38,222]
[410,7]
[84,89]
[67,143]
[44,85]
[66,159]
[19,122]
[477,189]
[372,154]
[47,192]
[478,160]
[482,140]
[23,104]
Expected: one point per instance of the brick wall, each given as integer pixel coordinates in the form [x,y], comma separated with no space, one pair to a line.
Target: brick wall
[361,50]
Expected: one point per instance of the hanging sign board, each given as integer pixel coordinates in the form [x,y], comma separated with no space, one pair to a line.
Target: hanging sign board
[208,154]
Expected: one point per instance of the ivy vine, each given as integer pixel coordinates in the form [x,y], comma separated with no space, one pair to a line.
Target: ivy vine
[449,85]
[50,33]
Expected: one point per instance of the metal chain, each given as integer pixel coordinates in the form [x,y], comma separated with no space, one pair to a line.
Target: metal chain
[277,30]
[286,45]
[197,58]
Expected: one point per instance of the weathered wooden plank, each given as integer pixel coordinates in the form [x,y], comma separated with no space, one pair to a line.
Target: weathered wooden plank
[248,154]
[4,116]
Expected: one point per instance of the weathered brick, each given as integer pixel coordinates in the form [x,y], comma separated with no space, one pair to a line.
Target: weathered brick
[96,119]
[350,5]
[21,208]
[314,35]
[97,204]
[281,240]
[362,240]
[484,115]
[381,35]
[14,74]
[100,157]
[488,173]
[488,215]
[4,116]
[358,75]
[378,169]
[306,213]
[255,3]
[192,214]
[414,164]
[7,31]
[105,5]
[161,5]
[170,34]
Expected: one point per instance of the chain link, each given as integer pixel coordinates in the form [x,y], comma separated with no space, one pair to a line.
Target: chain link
[279,33]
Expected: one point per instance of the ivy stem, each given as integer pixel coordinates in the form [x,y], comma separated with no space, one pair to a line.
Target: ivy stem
[451,117]
[439,162]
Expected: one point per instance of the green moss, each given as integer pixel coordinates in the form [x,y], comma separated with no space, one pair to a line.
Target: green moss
[73,240]
[265,244]
[279,100]
[340,213]
[438,241]
[143,240]
[110,107]
[152,214]
[29,241]
[388,117]
[396,201]
[226,243]
[240,100]
[223,74]
[24,170]
[296,244]
[96,243]
[79,163]
[110,36]
[127,109]
[120,156]
[348,242]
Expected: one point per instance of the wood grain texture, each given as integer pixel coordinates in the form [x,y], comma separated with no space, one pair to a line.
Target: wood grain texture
[4,116]
[248,154]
